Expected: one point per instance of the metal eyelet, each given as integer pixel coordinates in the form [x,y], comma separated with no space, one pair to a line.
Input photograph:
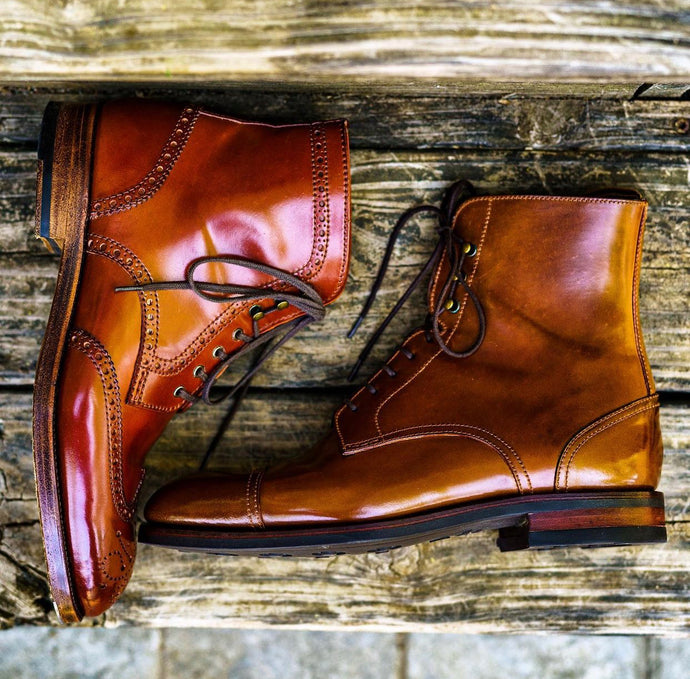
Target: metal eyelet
[237,335]
[200,373]
[452,305]
[470,249]
[372,389]
[177,393]
[219,352]
[282,304]
[256,312]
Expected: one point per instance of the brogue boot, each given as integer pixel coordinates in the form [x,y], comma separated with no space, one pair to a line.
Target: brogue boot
[525,404]
[187,240]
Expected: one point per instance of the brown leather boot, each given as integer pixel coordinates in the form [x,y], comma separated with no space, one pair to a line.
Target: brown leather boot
[526,404]
[187,239]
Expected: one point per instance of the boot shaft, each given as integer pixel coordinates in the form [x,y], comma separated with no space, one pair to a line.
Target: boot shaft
[558,282]
[558,279]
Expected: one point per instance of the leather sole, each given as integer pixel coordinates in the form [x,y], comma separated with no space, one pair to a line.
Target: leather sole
[64,168]
[534,521]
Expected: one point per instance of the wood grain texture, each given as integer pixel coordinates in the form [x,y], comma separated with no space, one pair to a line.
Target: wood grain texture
[407,147]
[384,184]
[382,41]
[462,584]
[508,120]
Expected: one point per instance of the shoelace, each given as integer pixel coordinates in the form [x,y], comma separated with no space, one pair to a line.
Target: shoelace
[306,299]
[456,249]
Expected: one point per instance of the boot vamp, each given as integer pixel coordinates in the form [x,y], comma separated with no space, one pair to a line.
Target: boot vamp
[399,478]
[328,487]
[211,499]
[101,439]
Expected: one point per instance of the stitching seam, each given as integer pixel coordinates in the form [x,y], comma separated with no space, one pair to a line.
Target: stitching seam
[346,210]
[455,429]
[252,498]
[506,457]
[635,301]
[598,427]
[88,345]
[155,178]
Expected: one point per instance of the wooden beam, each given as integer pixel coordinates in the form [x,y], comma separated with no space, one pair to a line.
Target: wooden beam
[507,120]
[382,43]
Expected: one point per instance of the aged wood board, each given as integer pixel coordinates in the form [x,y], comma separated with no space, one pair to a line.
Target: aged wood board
[376,43]
[406,149]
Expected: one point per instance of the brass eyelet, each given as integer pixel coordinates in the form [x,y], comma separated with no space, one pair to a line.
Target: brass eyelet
[282,304]
[470,249]
[452,306]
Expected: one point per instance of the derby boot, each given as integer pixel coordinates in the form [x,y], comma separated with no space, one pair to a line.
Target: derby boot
[525,404]
[187,239]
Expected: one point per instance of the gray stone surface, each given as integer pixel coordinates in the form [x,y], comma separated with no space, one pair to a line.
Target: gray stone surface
[441,656]
[279,654]
[36,652]
[125,653]
[673,658]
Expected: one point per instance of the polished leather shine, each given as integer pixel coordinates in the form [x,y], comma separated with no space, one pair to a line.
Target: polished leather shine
[559,396]
[171,184]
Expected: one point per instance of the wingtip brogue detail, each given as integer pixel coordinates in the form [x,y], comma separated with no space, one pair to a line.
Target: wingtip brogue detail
[138,196]
[154,179]
[524,404]
[82,341]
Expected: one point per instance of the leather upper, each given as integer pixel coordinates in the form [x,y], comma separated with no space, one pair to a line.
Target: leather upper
[171,184]
[558,397]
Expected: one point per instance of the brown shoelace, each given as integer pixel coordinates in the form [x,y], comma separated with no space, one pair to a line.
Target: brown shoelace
[456,249]
[306,299]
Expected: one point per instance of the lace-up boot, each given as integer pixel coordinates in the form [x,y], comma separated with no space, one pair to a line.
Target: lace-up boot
[187,238]
[526,404]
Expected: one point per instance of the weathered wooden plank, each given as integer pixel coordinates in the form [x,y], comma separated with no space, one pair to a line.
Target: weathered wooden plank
[384,184]
[462,584]
[347,41]
[403,121]
[663,91]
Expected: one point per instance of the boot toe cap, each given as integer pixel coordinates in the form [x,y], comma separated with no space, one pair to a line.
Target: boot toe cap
[205,499]
[102,573]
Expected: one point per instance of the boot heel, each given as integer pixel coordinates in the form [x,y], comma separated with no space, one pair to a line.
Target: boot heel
[605,523]
[64,165]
